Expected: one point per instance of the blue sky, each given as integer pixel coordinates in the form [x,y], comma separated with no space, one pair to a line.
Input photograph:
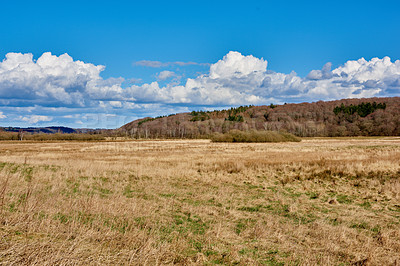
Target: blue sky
[209,54]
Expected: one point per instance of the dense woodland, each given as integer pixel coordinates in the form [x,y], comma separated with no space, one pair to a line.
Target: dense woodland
[348,117]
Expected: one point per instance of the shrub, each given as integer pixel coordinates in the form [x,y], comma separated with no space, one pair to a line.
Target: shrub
[51,137]
[9,136]
[254,136]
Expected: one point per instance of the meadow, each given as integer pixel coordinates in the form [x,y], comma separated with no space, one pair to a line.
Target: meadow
[321,201]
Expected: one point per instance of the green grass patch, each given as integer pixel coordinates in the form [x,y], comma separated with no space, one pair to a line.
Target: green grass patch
[251,209]
[184,223]
[366,205]
[167,195]
[62,218]
[343,199]
[128,192]
[312,195]
[362,225]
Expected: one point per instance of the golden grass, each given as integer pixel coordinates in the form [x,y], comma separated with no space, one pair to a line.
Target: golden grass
[319,201]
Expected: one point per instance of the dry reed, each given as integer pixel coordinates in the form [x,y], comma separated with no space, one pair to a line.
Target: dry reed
[319,201]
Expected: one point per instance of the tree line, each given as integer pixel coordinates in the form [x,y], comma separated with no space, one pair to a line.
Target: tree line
[363,109]
[348,117]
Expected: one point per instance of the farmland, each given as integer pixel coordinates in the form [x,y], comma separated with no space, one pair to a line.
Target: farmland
[328,201]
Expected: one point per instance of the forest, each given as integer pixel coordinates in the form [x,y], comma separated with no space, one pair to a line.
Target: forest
[347,117]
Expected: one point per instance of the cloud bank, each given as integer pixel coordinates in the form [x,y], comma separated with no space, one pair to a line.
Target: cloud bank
[238,79]
[62,88]
[52,80]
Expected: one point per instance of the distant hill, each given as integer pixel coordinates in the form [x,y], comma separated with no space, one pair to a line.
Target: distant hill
[347,117]
[53,130]
[36,130]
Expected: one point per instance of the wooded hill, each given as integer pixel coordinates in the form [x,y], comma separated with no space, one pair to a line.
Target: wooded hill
[37,130]
[348,117]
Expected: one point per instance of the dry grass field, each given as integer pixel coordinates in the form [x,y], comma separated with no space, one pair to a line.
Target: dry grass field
[315,202]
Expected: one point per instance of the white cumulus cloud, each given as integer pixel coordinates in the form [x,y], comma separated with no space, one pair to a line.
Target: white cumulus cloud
[238,79]
[163,75]
[34,119]
[230,81]
[234,64]
[76,89]
[116,104]
[53,79]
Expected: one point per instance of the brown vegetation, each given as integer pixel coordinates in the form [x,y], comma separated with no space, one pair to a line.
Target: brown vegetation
[319,201]
[303,120]
[254,136]
[50,137]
